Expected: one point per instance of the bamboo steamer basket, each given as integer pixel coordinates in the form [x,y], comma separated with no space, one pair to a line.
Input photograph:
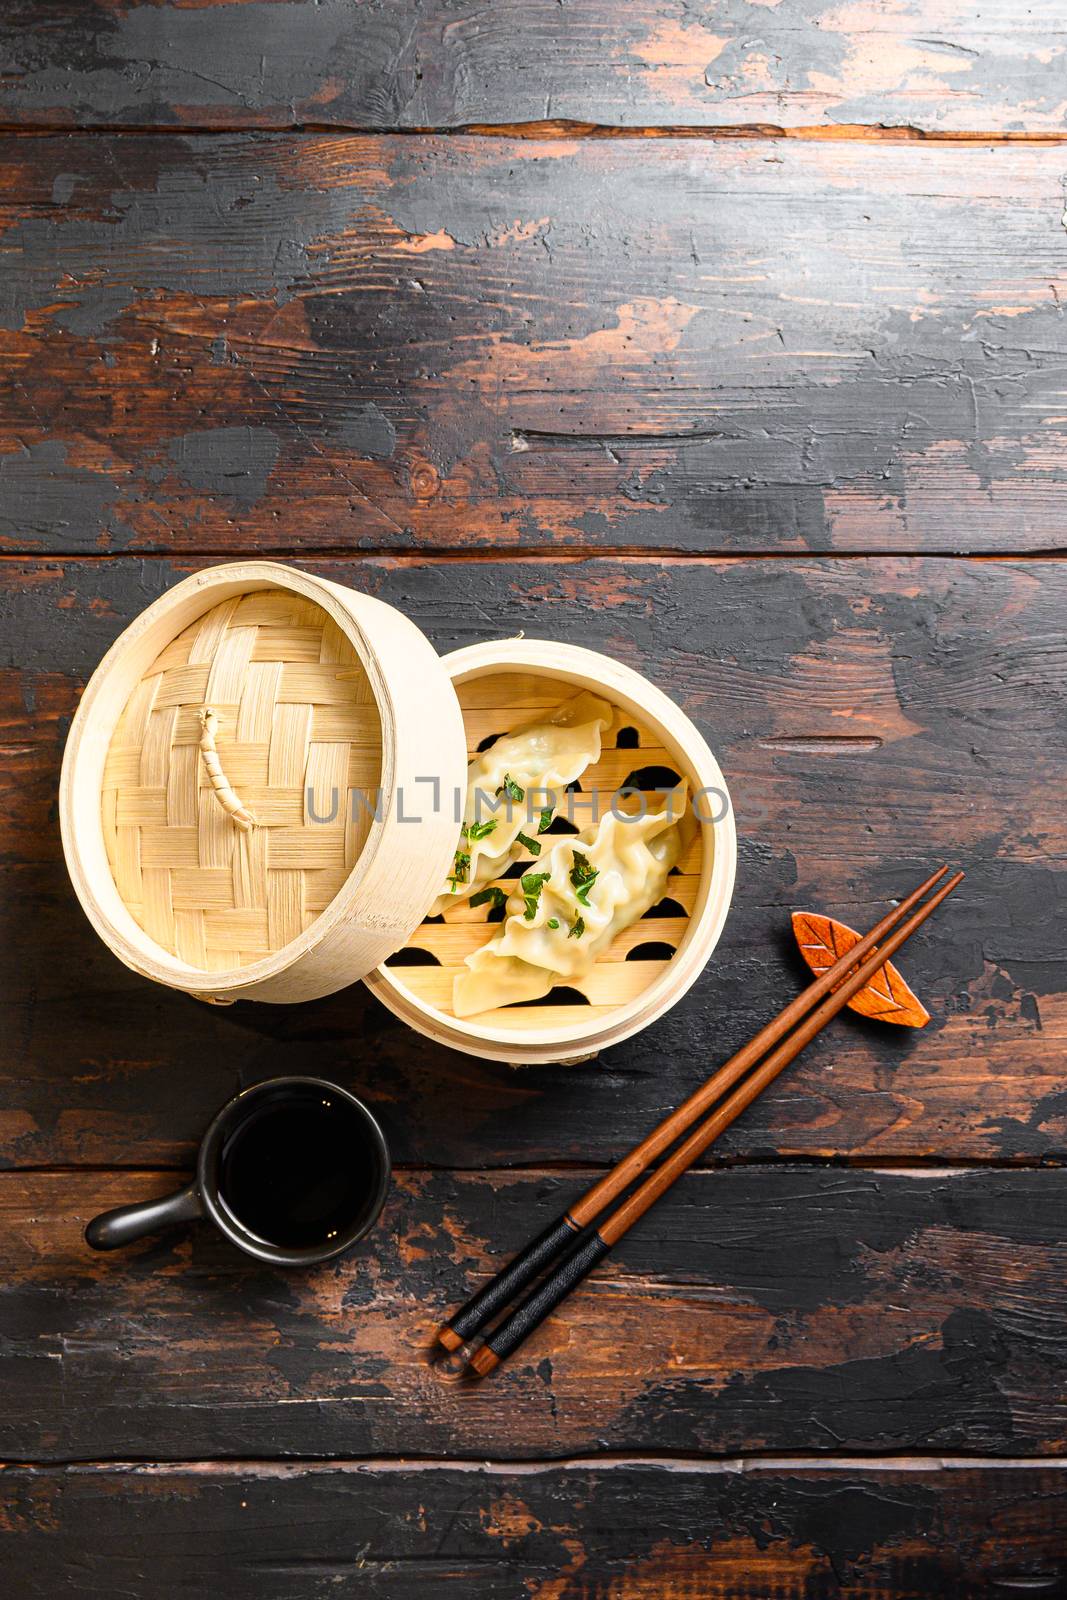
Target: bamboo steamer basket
[310,685]
[502,685]
[204,842]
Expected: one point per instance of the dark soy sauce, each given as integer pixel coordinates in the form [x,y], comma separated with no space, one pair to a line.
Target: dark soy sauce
[298,1171]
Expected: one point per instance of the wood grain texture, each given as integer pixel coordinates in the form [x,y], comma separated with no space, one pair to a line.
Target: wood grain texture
[791,1531]
[286,344]
[767,1308]
[941,66]
[332,344]
[872,719]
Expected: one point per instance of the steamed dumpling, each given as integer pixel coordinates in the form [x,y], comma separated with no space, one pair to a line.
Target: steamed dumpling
[568,907]
[523,776]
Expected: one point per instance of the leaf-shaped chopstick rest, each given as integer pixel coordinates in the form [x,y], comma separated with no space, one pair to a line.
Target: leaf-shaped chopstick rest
[886,998]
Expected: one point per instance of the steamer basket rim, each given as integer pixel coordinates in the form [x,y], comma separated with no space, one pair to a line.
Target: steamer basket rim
[605,674]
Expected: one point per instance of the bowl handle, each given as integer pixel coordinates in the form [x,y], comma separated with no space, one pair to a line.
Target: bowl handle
[125,1223]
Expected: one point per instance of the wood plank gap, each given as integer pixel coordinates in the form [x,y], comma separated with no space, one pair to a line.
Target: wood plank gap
[751,1461]
[918,1166]
[390,556]
[875,133]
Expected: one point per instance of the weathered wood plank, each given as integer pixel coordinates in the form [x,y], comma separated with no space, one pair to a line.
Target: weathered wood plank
[872,717]
[859,1530]
[762,1308]
[941,65]
[328,342]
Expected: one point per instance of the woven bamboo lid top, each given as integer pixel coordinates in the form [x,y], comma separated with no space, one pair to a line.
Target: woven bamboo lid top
[223,856]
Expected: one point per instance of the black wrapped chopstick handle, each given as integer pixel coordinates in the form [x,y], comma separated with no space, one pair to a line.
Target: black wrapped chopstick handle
[521,1270]
[583,1256]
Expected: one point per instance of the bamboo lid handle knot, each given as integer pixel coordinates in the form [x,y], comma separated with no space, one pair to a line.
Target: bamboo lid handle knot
[224,791]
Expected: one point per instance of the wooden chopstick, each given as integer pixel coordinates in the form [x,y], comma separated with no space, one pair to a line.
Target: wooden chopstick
[594,1243]
[560,1234]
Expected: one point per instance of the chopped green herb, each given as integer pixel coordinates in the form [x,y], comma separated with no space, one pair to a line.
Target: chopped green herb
[531,884]
[577,928]
[583,877]
[546,819]
[491,896]
[528,844]
[513,790]
[553,922]
[461,865]
[479,830]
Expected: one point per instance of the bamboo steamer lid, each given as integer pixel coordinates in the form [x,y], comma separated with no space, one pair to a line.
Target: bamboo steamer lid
[239,797]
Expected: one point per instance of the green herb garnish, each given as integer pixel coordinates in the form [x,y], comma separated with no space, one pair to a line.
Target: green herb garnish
[479,830]
[530,845]
[577,928]
[553,922]
[583,877]
[461,865]
[491,896]
[513,790]
[546,819]
[531,884]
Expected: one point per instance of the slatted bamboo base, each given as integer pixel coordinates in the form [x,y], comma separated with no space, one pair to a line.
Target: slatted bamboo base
[496,703]
[295,714]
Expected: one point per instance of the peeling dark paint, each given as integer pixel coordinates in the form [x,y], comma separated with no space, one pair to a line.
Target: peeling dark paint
[367,432]
[956,1385]
[63,187]
[684,62]
[226,461]
[43,497]
[95,309]
[900,1345]
[536,324]
[572,1530]
[146,237]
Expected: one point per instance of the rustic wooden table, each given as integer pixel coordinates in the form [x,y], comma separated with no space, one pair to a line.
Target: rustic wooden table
[765,395]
